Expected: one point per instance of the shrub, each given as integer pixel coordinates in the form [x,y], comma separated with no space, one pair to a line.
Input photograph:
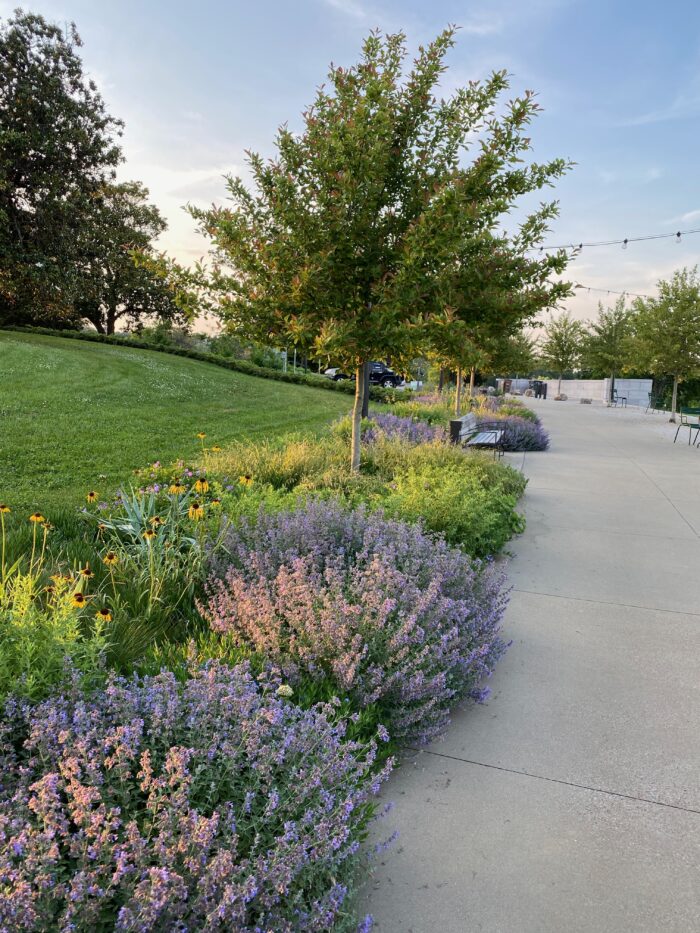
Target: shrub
[155,805]
[383,611]
[523,434]
[457,504]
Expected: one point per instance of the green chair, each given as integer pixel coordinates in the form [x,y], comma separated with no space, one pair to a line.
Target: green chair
[687,414]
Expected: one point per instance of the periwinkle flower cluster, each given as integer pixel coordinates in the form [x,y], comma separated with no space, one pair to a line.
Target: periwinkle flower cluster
[390,614]
[156,805]
[520,434]
[405,429]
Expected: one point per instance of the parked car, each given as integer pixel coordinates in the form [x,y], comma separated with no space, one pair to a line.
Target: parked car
[379,375]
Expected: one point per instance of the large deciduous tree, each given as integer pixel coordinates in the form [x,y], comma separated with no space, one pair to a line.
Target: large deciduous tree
[112,286]
[563,344]
[666,338]
[606,348]
[57,148]
[340,242]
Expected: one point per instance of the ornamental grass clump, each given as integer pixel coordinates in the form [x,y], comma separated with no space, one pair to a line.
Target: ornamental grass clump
[380,610]
[156,805]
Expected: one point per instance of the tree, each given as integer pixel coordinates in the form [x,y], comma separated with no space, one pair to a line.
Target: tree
[57,148]
[562,344]
[513,356]
[113,286]
[607,343]
[666,336]
[339,243]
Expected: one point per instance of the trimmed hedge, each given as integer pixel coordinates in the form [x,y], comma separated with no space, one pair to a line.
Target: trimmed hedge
[377,394]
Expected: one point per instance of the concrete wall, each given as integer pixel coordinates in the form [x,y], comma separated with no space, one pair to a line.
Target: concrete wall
[636,390]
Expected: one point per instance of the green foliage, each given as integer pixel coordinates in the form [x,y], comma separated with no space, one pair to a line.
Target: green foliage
[455,503]
[666,333]
[563,344]
[606,348]
[57,151]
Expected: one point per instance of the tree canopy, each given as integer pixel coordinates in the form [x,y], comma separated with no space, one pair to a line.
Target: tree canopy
[563,344]
[666,334]
[350,239]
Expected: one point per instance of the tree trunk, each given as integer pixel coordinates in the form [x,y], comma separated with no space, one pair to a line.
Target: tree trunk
[357,418]
[674,399]
[559,386]
[472,379]
[111,318]
[458,394]
[365,391]
[441,380]
[612,387]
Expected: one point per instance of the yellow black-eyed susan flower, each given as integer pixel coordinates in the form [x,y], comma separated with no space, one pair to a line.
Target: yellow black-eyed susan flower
[37,518]
[201,485]
[4,509]
[91,496]
[215,503]
[50,590]
[110,558]
[101,527]
[156,521]
[104,615]
[196,511]
[176,488]
[57,577]
[149,534]
[86,572]
[201,435]
[216,449]
[79,600]
[245,480]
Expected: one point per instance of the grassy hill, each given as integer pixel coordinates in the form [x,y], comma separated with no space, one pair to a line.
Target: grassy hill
[76,416]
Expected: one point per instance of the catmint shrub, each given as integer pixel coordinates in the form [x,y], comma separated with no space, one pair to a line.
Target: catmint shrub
[390,614]
[215,804]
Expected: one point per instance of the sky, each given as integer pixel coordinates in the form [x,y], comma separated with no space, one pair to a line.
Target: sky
[198,84]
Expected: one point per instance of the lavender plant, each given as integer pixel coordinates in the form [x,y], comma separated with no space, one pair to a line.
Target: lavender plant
[523,434]
[406,429]
[154,805]
[387,613]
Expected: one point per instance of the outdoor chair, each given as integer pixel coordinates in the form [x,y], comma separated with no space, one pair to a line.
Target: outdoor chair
[621,399]
[653,403]
[686,415]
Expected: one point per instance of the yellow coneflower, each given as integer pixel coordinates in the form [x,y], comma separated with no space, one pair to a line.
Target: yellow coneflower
[149,534]
[216,449]
[57,577]
[50,590]
[86,572]
[156,521]
[4,509]
[79,600]
[215,503]
[37,518]
[104,615]
[176,488]
[196,511]
[201,485]
[245,480]
[101,526]
[201,435]
[110,558]
[91,496]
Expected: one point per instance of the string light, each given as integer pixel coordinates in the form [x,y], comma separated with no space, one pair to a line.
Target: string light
[611,291]
[624,242]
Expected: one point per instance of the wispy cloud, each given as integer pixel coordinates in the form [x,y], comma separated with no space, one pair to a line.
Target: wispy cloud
[349,8]
[686,218]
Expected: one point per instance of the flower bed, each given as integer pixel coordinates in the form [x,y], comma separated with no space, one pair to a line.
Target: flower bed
[154,805]
[389,615]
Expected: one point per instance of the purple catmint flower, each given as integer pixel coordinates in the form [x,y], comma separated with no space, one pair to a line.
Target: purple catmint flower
[406,429]
[522,434]
[157,805]
[391,614]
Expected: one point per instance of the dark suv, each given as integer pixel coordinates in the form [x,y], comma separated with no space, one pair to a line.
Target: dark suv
[379,375]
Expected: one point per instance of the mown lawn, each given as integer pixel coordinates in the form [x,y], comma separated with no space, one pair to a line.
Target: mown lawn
[76,416]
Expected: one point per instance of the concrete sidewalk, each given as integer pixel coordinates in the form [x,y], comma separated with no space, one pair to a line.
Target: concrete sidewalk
[570,803]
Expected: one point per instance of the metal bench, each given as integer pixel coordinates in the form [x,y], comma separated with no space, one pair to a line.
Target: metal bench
[467,432]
